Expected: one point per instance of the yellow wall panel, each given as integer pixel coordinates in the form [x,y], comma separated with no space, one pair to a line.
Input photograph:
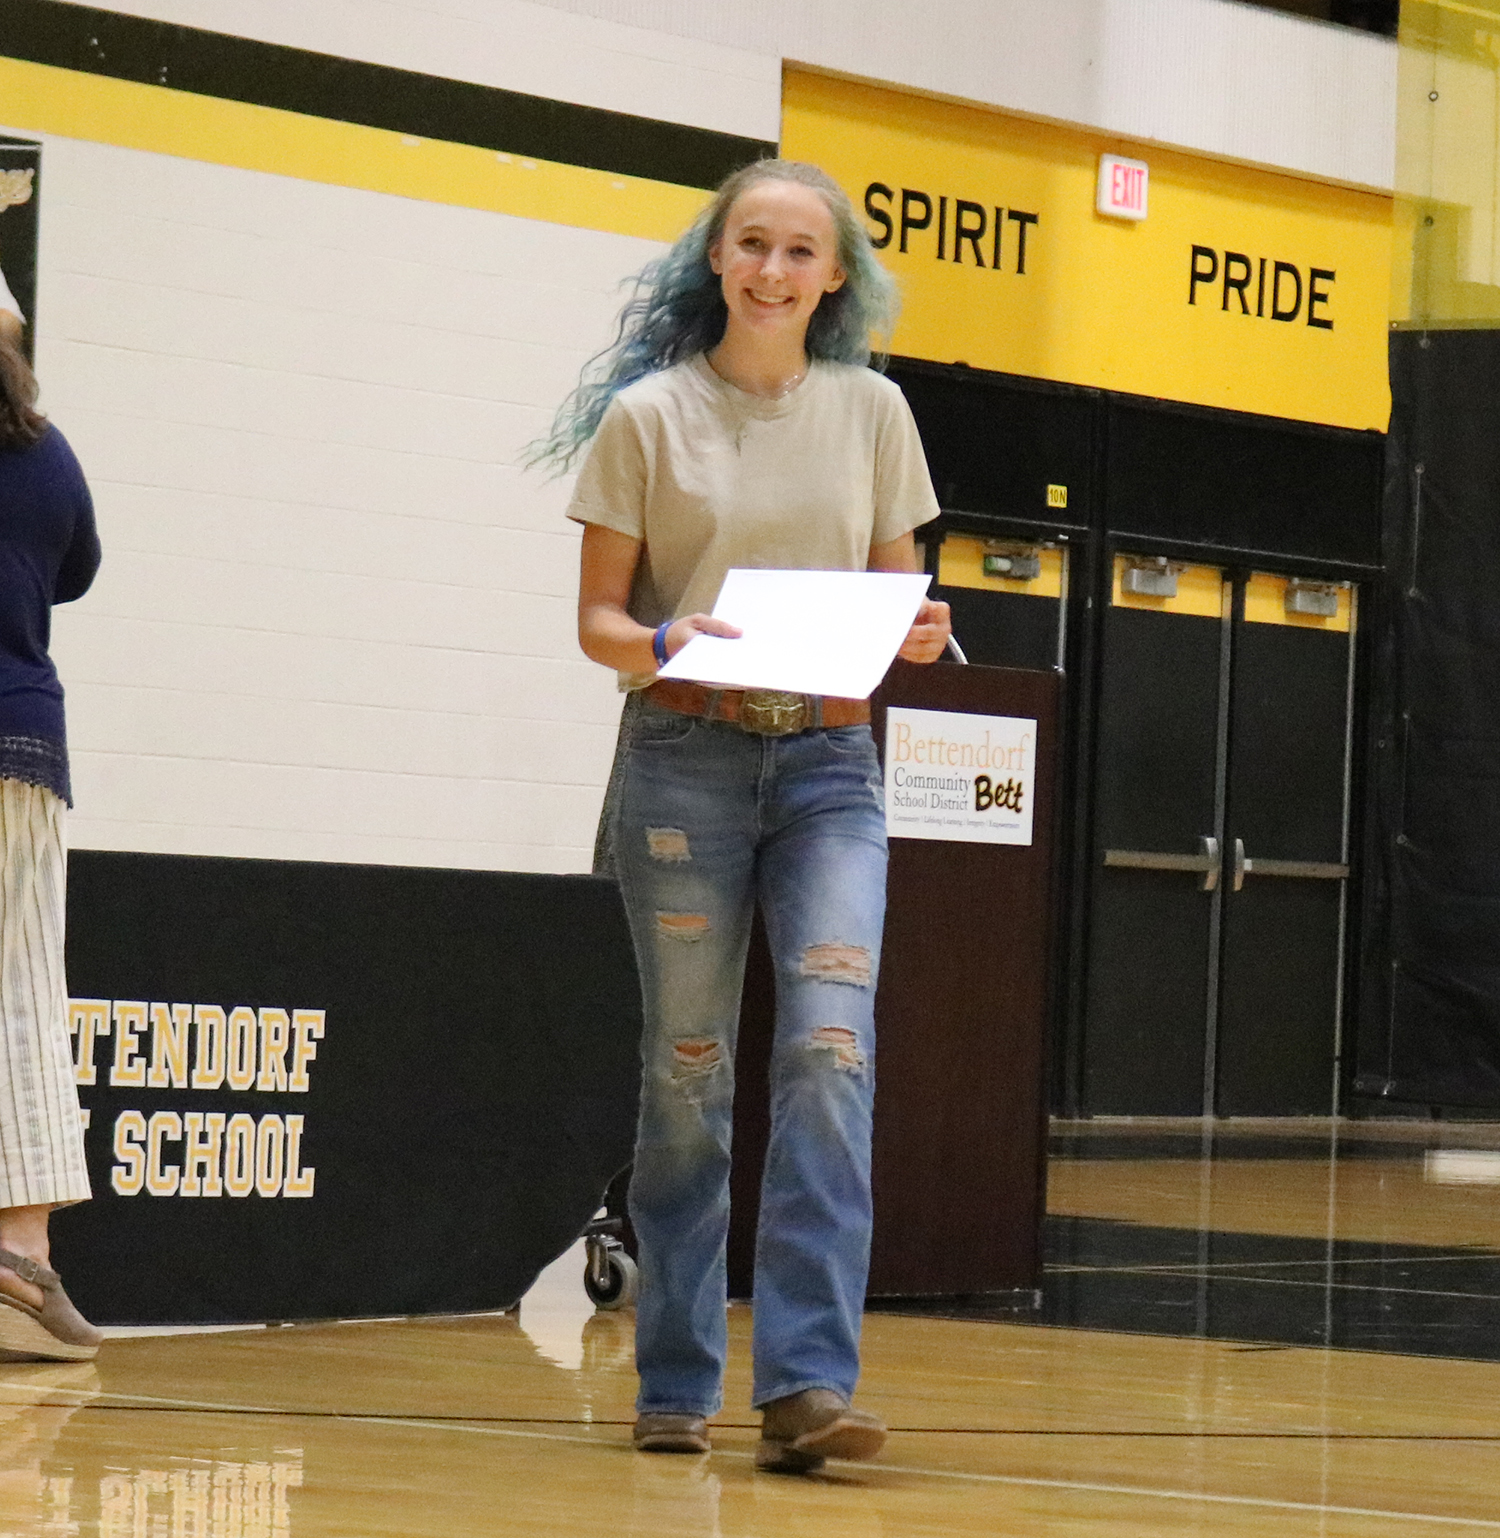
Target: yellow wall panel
[1104,302]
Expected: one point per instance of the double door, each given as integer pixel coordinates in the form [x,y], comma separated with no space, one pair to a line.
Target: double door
[1218,902]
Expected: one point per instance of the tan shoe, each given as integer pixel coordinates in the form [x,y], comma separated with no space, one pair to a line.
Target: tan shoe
[55,1332]
[656,1432]
[797,1433]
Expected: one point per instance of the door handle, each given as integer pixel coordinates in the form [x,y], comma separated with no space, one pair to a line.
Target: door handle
[1205,863]
[1210,847]
[1307,870]
[1241,864]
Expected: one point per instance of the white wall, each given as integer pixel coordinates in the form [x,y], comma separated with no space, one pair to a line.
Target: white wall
[519,46]
[334,621]
[1218,76]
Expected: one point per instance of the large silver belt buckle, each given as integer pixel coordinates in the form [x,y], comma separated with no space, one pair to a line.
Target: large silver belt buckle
[769,713]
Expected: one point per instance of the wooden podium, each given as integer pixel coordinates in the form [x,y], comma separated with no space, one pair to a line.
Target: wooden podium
[961,1017]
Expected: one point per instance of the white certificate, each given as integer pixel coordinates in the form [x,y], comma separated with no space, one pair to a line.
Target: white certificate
[968,779]
[805,632]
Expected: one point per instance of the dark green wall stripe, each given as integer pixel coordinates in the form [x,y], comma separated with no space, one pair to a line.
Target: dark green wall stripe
[102,42]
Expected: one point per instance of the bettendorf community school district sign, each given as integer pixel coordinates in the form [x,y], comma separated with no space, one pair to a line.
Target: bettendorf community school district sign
[968,779]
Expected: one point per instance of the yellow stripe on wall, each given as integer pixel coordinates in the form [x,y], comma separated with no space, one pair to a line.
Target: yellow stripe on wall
[77,105]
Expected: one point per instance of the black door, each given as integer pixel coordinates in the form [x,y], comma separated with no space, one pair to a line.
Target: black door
[1220,809]
[1158,816]
[1286,854]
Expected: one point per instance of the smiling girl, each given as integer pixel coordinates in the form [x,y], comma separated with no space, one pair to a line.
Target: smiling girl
[736,423]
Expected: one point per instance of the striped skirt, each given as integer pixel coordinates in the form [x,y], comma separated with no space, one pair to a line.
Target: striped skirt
[41,1132]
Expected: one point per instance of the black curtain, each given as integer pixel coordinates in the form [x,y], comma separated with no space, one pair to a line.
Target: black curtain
[1430,1015]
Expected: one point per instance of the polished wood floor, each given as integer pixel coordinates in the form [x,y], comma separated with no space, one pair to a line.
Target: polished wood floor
[1387,1201]
[504,1425]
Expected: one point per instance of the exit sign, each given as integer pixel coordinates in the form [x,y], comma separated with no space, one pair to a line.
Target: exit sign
[1122,187]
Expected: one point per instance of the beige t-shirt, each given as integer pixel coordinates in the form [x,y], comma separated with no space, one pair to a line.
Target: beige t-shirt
[710,478]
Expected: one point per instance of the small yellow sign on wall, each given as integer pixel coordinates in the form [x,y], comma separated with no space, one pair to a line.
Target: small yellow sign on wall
[1244,289]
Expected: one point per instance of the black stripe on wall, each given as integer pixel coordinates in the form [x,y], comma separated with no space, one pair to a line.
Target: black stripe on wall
[101,42]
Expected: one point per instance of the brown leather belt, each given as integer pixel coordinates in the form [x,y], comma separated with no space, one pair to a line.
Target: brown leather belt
[762,711]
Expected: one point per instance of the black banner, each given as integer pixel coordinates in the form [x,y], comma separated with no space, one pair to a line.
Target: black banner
[20,205]
[1430,983]
[319,1090]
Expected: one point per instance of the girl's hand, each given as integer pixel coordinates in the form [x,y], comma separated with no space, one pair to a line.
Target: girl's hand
[928,636]
[685,629]
[606,632]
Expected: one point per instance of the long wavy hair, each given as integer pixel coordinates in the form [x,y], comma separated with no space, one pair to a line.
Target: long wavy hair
[677,309]
[21,424]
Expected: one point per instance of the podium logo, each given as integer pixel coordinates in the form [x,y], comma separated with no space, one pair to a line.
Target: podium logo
[1007,797]
[956,749]
[950,775]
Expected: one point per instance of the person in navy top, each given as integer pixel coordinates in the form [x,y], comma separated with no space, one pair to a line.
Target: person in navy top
[49,552]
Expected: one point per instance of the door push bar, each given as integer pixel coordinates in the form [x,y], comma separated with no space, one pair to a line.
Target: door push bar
[1205,863]
[1308,870]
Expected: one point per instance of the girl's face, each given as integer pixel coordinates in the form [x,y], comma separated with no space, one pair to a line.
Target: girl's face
[776,259]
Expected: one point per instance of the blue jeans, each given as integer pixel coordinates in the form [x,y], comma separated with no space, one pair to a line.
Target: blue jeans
[712,820]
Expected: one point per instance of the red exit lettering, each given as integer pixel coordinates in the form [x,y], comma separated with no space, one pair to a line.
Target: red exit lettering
[1123,187]
[1126,189]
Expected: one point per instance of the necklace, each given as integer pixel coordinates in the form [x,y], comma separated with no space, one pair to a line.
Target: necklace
[790,385]
[779,393]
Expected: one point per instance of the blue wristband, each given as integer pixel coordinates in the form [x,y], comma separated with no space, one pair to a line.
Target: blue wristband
[659,643]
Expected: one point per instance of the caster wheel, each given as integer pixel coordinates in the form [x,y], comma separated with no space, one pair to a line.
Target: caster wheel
[620,1288]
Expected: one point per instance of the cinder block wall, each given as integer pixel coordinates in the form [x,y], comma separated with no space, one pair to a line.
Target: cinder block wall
[334,621]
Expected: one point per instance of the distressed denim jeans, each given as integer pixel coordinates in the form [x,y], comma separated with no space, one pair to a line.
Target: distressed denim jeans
[712,820]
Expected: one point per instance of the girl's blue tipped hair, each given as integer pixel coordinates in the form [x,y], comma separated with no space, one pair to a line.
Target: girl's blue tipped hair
[677,309]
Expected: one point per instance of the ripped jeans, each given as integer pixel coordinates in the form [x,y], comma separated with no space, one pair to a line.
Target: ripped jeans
[712,820]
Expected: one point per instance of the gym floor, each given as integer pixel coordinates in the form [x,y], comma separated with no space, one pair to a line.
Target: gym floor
[1286,1328]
